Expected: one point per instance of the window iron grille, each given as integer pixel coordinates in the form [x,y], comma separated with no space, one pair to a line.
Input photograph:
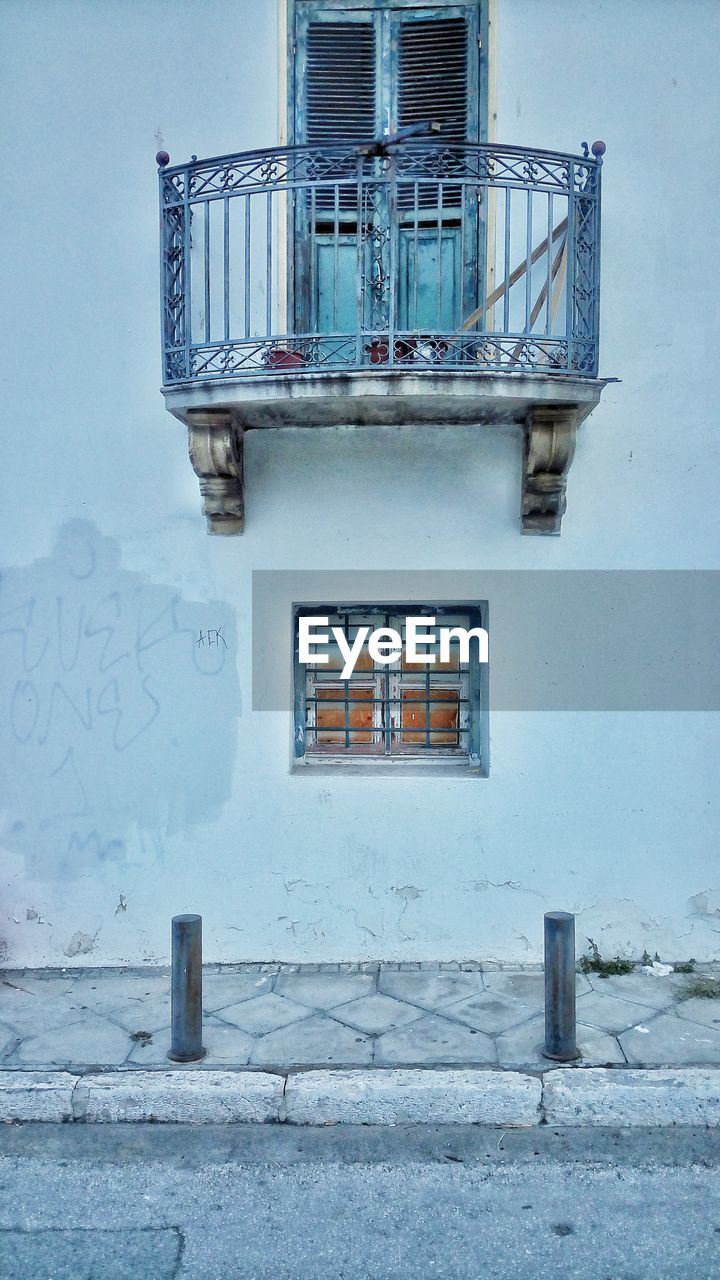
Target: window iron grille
[401,710]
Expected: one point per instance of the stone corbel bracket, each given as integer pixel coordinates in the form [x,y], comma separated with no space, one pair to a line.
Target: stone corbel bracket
[216,452]
[550,434]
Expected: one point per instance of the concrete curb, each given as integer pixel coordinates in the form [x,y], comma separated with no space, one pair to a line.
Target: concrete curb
[596,1096]
[36,1095]
[179,1097]
[413,1097]
[579,1096]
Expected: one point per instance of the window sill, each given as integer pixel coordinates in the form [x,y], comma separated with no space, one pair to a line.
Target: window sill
[384,767]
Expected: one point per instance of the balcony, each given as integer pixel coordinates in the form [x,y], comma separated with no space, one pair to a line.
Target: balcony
[400,282]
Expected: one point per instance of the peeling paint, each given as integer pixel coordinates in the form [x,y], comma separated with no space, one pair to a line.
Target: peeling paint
[707,904]
[292,885]
[408,892]
[33,915]
[625,927]
[122,904]
[480,886]
[362,927]
[81,943]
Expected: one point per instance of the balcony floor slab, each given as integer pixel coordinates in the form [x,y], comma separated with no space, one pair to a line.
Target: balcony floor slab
[382,398]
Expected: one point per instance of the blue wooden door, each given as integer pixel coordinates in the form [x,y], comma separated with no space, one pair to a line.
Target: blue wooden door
[434,60]
[402,254]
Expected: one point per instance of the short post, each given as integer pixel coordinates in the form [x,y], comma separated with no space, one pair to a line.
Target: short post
[560,1029]
[186,990]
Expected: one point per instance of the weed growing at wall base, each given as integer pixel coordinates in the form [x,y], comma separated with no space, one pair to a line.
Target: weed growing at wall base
[594,963]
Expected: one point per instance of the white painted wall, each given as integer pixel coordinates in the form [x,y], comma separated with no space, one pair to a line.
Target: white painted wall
[138,782]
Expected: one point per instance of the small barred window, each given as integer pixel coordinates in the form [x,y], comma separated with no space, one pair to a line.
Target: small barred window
[401,710]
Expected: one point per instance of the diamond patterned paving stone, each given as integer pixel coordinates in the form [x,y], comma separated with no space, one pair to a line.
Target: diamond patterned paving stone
[224,1043]
[30,1015]
[315,1041]
[430,990]
[324,990]
[526,987]
[223,989]
[700,1009]
[640,988]
[93,1041]
[28,985]
[608,1012]
[490,1013]
[375,1014]
[115,991]
[434,1040]
[154,1053]
[141,1015]
[671,1041]
[263,1014]
[522,1046]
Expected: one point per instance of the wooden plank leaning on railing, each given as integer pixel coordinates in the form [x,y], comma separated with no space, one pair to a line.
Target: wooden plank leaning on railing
[559,231]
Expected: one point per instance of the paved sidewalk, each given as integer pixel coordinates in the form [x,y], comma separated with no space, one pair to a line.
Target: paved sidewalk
[358,1044]
[284,1017]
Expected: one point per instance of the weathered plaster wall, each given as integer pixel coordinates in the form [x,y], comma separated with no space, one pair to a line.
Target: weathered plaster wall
[141,783]
[108,681]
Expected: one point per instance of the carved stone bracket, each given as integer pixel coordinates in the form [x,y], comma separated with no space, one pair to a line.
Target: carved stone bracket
[216,453]
[549,448]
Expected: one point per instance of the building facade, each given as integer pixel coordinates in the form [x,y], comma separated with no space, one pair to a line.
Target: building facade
[380,302]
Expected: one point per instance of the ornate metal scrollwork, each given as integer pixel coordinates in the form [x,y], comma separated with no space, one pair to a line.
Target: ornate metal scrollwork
[222,290]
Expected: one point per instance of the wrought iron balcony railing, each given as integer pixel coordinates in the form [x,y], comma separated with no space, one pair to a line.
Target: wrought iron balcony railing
[408,254]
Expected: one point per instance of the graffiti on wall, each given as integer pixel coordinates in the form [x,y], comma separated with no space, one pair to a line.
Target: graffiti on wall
[118,727]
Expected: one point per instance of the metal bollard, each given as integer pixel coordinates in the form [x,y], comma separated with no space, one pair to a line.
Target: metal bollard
[560,1030]
[186,990]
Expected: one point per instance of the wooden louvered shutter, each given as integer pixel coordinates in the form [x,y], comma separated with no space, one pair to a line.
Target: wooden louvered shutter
[340,91]
[433,75]
[360,72]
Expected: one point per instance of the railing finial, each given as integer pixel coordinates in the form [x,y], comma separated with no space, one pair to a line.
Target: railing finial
[163,159]
[598,149]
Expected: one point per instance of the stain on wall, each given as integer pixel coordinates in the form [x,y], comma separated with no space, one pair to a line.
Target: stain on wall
[119,702]
[707,906]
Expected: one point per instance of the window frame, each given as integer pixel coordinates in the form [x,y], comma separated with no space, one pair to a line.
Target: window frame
[473,762]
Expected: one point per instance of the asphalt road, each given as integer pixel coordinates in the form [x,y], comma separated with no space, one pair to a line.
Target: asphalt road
[152,1202]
